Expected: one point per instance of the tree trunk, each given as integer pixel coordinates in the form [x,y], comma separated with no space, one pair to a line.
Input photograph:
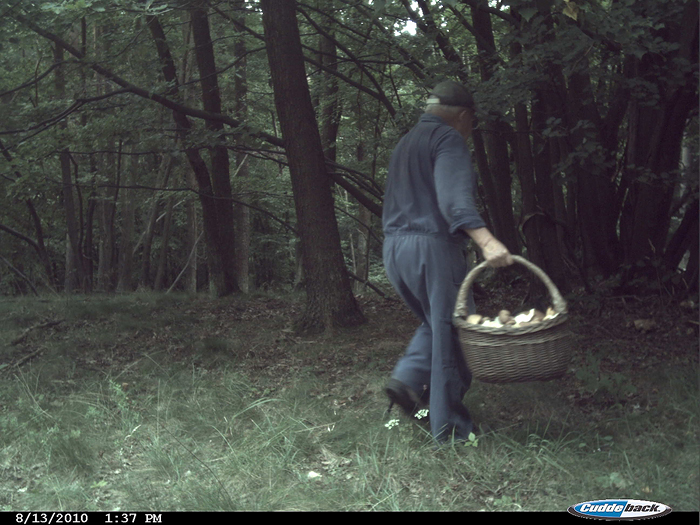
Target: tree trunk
[108,209]
[40,246]
[126,248]
[330,301]
[75,276]
[193,235]
[528,191]
[223,229]
[241,181]
[218,230]
[655,138]
[192,241]
[498,187]
[594,183]
[684,237]
[88,245]
[364,216]
[159,282]
[166,166]
[329,103]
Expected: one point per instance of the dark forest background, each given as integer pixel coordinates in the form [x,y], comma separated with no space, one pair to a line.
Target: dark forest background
[229,146]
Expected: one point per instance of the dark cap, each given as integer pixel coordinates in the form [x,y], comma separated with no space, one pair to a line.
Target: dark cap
[451,93]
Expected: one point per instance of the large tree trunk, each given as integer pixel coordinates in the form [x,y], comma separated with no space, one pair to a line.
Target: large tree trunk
[498,191]
[594,181]
[223,230]
[330,301]
[191,280]
[530,219]
[655,137]
[544,214]
[541,221]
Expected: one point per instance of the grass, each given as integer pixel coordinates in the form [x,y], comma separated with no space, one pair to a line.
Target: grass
[154,402]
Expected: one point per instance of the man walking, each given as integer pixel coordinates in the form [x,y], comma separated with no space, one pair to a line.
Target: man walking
[429,214]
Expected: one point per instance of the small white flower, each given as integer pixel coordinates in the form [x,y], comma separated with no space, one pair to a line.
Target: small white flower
[422,413]
[392,423]
[313,475]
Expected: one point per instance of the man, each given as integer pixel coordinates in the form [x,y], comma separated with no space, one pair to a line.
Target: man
[429,214]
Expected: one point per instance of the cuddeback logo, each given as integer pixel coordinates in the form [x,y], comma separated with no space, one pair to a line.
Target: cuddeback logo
[624,509]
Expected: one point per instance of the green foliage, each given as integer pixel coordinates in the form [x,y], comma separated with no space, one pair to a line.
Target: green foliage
[578,57]
[595,380]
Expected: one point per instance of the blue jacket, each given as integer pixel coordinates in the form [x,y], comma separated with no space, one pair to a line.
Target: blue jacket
[431,185]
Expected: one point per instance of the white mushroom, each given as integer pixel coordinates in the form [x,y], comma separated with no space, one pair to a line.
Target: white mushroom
[504,317]
[474,319]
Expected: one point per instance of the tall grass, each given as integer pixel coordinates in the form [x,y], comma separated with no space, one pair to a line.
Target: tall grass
[174,422]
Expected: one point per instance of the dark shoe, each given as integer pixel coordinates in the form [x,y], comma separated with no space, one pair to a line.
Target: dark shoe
[404,396]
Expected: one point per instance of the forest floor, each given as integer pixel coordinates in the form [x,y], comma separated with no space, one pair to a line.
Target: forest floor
[173,402]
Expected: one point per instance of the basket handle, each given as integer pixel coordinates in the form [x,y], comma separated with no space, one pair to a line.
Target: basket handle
[558,302]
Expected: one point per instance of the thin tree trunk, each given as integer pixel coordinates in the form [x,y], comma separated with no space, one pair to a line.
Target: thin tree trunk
[684,236]
[75,277]
[329,103]
[39,245]
[166,167]
[193,236]
[241,181]
[363,248]
[163,257]
[126,250]
[108,209]
[365,218]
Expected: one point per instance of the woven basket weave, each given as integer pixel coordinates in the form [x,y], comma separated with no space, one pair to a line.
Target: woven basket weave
[537,352]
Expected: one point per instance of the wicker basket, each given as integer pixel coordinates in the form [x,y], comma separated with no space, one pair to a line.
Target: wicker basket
[537,352]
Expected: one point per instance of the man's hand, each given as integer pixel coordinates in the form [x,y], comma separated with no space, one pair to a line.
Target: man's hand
[494,251]
[496,254]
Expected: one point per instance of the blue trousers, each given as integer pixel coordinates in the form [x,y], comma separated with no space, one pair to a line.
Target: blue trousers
[427,272]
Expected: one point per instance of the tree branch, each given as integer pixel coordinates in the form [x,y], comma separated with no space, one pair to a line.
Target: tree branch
[192,112]
[35,80]
[428,26]
[19,235]
[492,10]
[379,93]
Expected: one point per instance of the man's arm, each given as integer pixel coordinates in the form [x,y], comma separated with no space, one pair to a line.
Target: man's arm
[494,251]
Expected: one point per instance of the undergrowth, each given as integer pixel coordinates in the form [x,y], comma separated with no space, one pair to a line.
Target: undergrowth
[151,402]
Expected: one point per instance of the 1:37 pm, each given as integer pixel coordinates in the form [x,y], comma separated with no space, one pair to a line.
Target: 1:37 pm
[120,517]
